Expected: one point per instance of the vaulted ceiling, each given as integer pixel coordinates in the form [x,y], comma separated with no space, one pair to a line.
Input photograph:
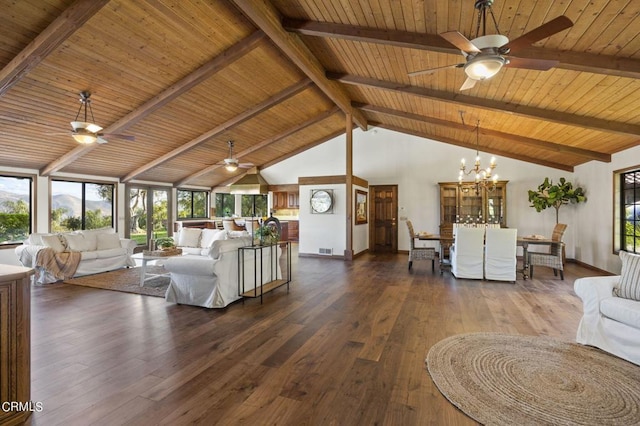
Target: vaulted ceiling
[278,77]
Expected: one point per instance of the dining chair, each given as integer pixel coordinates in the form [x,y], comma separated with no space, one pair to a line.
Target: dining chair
[419,253]
[500,258]
[552,259]
[467,253]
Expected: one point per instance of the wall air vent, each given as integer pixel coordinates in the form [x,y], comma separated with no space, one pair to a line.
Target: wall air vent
[325,251]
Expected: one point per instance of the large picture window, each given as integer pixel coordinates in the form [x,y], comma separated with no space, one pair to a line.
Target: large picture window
[81,205]
[225,204]
[15,209]
[630,211]
[254,206]
[192,204]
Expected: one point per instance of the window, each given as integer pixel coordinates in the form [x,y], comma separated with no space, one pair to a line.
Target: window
[15,208]
[225,204]
[81,205]
[192,204]
[630,211]
[254,206]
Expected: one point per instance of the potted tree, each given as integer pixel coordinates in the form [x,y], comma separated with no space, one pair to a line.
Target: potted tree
[555,195]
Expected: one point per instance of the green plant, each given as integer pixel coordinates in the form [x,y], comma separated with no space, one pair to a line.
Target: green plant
[267,234]
[555,195]
[165,242]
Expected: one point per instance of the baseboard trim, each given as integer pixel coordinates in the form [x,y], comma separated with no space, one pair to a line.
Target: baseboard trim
[593,268]
[321,256]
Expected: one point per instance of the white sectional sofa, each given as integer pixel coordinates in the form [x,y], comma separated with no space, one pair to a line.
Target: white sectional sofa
[207,274]
[101,250]
[611,322]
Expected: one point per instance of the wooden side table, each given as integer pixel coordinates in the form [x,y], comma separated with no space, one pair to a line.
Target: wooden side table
[15,342]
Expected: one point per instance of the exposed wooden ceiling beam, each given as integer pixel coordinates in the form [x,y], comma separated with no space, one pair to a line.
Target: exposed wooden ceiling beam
[262,144]
[244,116]
[451,141]
[577,61]
[198,76]
[521,110]
[47,41]
[265,16]
[516,139]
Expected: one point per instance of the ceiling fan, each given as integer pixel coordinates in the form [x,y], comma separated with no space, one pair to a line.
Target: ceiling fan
[486,54]
[232,163]
[86,132]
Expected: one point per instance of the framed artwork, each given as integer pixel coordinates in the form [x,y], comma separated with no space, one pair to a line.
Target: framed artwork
[361,207]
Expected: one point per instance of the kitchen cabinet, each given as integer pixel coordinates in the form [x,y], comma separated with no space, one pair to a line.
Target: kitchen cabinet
[293,200]
[293,230]
[280,200]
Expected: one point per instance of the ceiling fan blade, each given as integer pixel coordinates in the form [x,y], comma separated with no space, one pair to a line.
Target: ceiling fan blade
[101,140]
[468,84]
[432,70]
[548,29]
[246,165]
[115,135]
[531,64]
[460,41]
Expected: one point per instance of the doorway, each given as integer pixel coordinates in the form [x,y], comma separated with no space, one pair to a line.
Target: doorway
[149,213]
[383,235]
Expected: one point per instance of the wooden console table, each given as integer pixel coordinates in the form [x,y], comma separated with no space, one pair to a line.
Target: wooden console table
[256,254]
[15,341]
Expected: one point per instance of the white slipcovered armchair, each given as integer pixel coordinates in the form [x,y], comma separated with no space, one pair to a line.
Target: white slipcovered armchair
[467,253]
[500,254]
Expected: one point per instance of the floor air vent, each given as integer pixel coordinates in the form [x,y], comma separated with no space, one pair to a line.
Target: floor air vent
[327,251]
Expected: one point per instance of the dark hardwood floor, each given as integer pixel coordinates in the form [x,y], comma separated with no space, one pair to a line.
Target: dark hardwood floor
[346,346]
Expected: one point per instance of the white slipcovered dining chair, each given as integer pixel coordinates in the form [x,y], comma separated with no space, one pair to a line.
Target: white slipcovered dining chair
[419,253]
[467,253]
[500,254]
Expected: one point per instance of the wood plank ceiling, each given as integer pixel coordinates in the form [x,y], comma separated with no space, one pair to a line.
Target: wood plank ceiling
[278,77]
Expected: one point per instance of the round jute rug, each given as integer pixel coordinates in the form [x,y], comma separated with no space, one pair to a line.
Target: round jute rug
[500,379]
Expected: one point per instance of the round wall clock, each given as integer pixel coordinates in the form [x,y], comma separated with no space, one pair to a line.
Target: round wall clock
[321,201]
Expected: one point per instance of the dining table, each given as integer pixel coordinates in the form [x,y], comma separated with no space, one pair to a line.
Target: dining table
[445,242]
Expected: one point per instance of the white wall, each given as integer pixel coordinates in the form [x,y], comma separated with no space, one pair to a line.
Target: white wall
[416,165]
[594,220]
[327,230]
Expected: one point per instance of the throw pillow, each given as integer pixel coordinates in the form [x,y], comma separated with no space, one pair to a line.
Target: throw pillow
[629,286]
[76,242]
[108,241]
[208,237]
[189,237]
[54,242]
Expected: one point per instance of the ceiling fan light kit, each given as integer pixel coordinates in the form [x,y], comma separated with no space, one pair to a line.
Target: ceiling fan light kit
[85,132]
[485,55]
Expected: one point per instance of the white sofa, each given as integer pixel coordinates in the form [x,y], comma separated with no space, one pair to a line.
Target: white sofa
[609,322]
[208,274]
[101,250]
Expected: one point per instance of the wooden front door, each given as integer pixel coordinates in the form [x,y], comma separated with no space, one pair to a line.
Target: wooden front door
[384,218]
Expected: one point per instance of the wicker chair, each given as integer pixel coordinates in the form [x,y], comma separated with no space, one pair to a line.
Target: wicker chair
[420,253]
[552,259]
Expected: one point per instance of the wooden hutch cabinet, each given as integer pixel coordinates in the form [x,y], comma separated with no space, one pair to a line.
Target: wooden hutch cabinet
[460,203]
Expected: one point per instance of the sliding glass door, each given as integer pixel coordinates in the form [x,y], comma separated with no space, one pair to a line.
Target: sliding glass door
[148,213]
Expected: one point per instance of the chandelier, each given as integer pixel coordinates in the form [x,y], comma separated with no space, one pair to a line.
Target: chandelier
[482,178]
